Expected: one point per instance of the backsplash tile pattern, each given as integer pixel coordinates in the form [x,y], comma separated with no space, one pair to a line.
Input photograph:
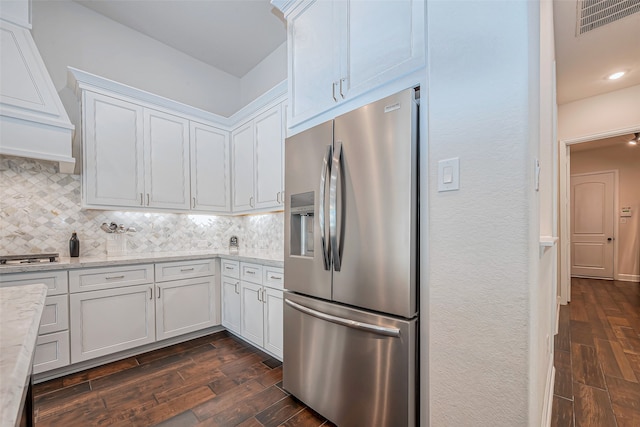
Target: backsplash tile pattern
[40,208]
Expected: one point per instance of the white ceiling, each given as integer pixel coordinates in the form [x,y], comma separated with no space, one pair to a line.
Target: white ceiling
[583,63]
[235,35]
[602,143]
[231,35]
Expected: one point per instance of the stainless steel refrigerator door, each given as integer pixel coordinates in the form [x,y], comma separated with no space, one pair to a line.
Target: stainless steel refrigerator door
[356,368]
[374,184]
[307,267]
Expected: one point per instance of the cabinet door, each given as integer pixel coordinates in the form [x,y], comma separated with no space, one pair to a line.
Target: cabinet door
[112,320]
[314,57]
[51,352]
[384,40]
[231,304]
[210,174]
[252,312]
[184,306]
[273,323]
[242,168]
[166,151]
[113,170]
[269,143]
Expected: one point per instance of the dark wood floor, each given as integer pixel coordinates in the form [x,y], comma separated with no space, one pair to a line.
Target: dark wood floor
[597,356]
[217,380]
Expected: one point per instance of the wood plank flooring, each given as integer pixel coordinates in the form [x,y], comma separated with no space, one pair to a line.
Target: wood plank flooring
[217,380]
[597,356]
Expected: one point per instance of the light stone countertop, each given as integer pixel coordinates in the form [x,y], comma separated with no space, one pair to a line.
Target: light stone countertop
[273,259]
[20,311]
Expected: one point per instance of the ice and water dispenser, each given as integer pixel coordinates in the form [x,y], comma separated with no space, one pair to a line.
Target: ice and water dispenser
[302,207]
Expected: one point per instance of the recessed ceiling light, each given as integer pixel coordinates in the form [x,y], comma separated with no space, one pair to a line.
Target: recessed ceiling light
[616,76]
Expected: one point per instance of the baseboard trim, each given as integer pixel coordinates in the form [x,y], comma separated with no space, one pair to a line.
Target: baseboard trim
[548,394]
[628,277]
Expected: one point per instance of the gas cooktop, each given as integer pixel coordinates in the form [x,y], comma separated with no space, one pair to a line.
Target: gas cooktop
[29,259]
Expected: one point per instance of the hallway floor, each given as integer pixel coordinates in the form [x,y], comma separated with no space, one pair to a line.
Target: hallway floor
[597,356]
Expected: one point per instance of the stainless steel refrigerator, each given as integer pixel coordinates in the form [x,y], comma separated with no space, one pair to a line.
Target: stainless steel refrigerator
[350,265]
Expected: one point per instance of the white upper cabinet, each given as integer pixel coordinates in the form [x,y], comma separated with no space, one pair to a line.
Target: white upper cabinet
[113,151]
[134,156]
[269,147]
[257,162]
[339,49]
[242,140]
[166,149]
[210,172]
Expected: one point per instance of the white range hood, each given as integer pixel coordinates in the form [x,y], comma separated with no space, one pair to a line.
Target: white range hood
[33,121]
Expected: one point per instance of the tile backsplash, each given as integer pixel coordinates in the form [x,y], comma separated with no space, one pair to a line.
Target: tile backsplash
[40,208]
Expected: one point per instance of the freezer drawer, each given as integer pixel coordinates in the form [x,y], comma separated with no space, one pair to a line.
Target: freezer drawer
[354,367]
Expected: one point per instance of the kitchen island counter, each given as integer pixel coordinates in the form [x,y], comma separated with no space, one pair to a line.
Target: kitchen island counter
[270,258]
[20,311]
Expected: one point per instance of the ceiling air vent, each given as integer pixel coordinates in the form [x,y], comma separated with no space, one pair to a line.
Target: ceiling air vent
[593,14]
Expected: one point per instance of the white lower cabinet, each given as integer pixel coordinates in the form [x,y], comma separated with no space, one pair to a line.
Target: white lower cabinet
[111,320]
[184,306]
[231,304]
[52,351]
[251,309]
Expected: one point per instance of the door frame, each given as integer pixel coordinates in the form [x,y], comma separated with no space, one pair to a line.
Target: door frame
[615,216]
[564,163]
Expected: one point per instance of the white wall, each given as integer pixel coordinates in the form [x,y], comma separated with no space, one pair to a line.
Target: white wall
[599,114]
[68,34]
[269,72]
[483,107]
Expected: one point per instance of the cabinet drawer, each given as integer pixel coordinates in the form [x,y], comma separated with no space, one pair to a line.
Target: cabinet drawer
[52,351]
[231,268]
[55,315]
[273,277]
[251,273]
[56,281]
[91,279]
[184,269]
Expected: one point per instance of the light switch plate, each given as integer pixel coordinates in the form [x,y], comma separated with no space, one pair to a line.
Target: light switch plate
[449,174]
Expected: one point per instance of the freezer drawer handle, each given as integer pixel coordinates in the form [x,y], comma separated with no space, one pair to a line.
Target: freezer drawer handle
[380,330]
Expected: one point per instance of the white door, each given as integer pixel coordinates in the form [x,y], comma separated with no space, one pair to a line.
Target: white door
[592,216]
[210,174]
[231,304]
[184,306]
[269,144]
[252,312]
[242,168]
[166,145]
[111,320]
[114,167]
[273,321]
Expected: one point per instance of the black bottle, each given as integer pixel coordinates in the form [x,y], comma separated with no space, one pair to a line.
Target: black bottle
[74,245]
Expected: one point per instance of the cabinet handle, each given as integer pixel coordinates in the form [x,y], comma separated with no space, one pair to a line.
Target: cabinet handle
[159,292]
[264,300]
[276,278]
[114,277]
[333,91]
[194,203]
[141,199]
[278,197]
[147,199]
[150,292]
[251,201]
[259,293]
[228,268]
[237,291]
[186,269]
[341,92]
[250,272]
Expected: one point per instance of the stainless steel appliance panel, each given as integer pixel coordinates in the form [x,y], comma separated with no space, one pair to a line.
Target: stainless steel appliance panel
[375,190]
[353,367]
[307,159]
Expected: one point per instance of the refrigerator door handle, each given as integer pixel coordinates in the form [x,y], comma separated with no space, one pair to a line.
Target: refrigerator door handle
[379,330]
[326,165]
[333,205]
